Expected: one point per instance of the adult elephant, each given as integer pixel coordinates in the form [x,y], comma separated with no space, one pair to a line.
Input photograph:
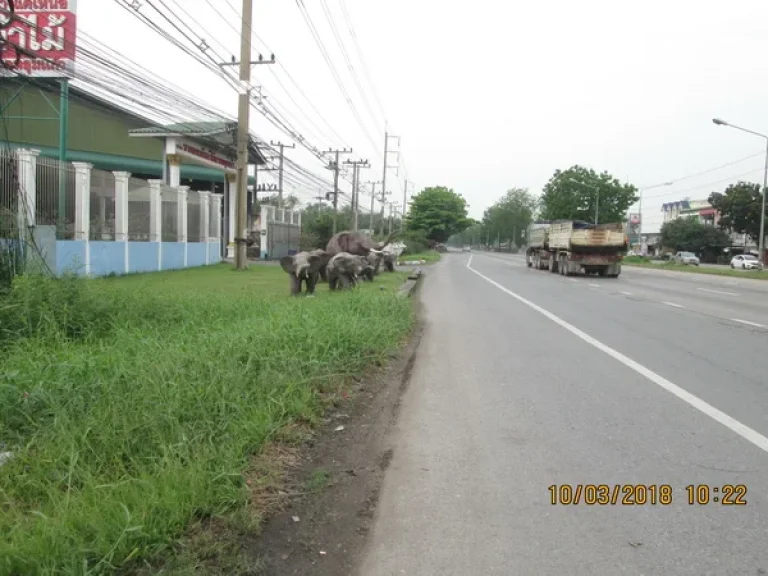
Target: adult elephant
[355,243]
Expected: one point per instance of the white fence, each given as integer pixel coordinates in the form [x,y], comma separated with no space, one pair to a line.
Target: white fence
[90,204]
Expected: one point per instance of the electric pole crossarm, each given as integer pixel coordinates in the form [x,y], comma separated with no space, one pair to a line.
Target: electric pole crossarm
[334,165]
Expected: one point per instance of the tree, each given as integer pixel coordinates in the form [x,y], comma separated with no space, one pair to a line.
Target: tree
[568,200]
[508,219]
[439,212]
[690,235]
[739,207]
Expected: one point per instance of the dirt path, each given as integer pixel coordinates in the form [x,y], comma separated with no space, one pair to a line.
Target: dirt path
[348,465]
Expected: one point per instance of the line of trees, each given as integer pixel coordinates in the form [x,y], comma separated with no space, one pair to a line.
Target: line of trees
[577,193]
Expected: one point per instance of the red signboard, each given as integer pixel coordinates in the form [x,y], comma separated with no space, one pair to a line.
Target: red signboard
[205,155]
[42,38]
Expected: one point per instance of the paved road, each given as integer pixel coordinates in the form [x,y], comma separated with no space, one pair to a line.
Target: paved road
[527,379]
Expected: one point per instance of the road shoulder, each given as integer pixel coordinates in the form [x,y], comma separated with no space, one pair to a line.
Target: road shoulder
[324,533]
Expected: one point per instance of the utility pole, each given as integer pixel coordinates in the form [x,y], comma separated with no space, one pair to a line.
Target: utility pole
[356,165]
[280,171]
[334,165]
[373,198]
[405,204]
[387,151]
[243,121]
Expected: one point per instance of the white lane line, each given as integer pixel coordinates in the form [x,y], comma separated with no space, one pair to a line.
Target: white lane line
[595,285]
[573,280]
[673,304]
[627,293]
[748,323]
[469,262]
[742,430]
[717,292]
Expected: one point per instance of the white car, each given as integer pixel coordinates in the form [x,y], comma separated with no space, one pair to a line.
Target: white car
[686,258]
[746,262]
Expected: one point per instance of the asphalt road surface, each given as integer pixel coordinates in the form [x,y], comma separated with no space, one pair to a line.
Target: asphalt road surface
[527,379]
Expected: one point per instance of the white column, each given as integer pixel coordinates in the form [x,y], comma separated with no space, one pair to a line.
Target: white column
[216,215]
[121,205]
[121,212]
[82,199]
[27,170]
[204,224]
[181,213]
[264,230]
[155,211]
[174,177]
[232,195]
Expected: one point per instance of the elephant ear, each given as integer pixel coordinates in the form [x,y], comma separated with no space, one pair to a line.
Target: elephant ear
[316,261]
[288,264]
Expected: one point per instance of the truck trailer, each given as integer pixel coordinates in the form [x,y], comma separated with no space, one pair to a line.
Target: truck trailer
[573,246]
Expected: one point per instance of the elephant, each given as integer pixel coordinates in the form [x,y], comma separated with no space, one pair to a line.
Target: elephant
[323,269]
[304,267]
[371,265]
[355,243]
[389,259]
[344,269]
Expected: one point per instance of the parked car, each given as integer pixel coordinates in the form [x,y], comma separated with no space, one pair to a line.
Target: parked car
[466,248]
[746,262]
[688,258]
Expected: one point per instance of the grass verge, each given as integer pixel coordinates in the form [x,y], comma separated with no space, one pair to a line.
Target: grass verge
[749,274]
[429,256]
[133,406]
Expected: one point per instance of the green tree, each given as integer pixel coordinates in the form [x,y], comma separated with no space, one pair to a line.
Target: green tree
[739,207]
[573,194]
[690,235]
[509,217]
[439,213]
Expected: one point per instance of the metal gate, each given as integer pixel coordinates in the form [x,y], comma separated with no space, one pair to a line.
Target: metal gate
[283,239]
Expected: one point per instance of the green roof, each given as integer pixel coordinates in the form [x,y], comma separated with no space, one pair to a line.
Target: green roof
[222,134]
[111,162]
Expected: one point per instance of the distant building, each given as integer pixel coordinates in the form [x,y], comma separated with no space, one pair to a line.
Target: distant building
[706,214]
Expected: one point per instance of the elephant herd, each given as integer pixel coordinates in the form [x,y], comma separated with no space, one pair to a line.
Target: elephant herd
[348,257]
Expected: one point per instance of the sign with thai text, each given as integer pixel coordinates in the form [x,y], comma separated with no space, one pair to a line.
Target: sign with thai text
[40,38]
[202,154]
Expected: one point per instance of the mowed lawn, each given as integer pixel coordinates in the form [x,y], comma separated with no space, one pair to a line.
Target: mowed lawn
[132,405]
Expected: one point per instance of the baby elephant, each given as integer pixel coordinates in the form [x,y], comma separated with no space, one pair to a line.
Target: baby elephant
[344,269]
[370,266]
[304,267]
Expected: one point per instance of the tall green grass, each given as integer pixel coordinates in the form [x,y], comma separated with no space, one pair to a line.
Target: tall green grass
[132,405]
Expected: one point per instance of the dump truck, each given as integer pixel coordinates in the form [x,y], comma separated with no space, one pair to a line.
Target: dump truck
[573,246]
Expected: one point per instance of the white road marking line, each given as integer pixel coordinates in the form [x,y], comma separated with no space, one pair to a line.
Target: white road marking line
[742,430]
[748,323]
[573,280]
[595,285]
[627,293]
[717,292]
[469,262]
[673,304]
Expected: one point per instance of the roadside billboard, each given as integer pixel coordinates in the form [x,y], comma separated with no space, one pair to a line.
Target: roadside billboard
[40,40]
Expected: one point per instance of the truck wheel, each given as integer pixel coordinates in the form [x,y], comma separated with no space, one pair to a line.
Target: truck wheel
[552,264]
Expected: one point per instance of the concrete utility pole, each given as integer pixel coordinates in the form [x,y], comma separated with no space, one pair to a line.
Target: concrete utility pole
[243,122]
[387,151]
[373,198]
[280,171]
[334,165]
[356,165]
[405,204]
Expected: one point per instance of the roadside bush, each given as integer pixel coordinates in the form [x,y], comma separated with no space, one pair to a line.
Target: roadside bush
[415,241]
[636,259]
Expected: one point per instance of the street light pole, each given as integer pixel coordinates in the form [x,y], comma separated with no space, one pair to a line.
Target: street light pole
[761,241]
[597,192]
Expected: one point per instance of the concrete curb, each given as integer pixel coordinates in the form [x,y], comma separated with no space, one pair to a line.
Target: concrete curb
[410,284]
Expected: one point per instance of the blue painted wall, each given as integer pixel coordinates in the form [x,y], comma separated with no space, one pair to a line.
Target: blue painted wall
[109,257]
[196,254]
[142,256]
[173,255]
[70,256]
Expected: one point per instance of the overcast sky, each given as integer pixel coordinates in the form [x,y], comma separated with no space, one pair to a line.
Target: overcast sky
[491,95]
